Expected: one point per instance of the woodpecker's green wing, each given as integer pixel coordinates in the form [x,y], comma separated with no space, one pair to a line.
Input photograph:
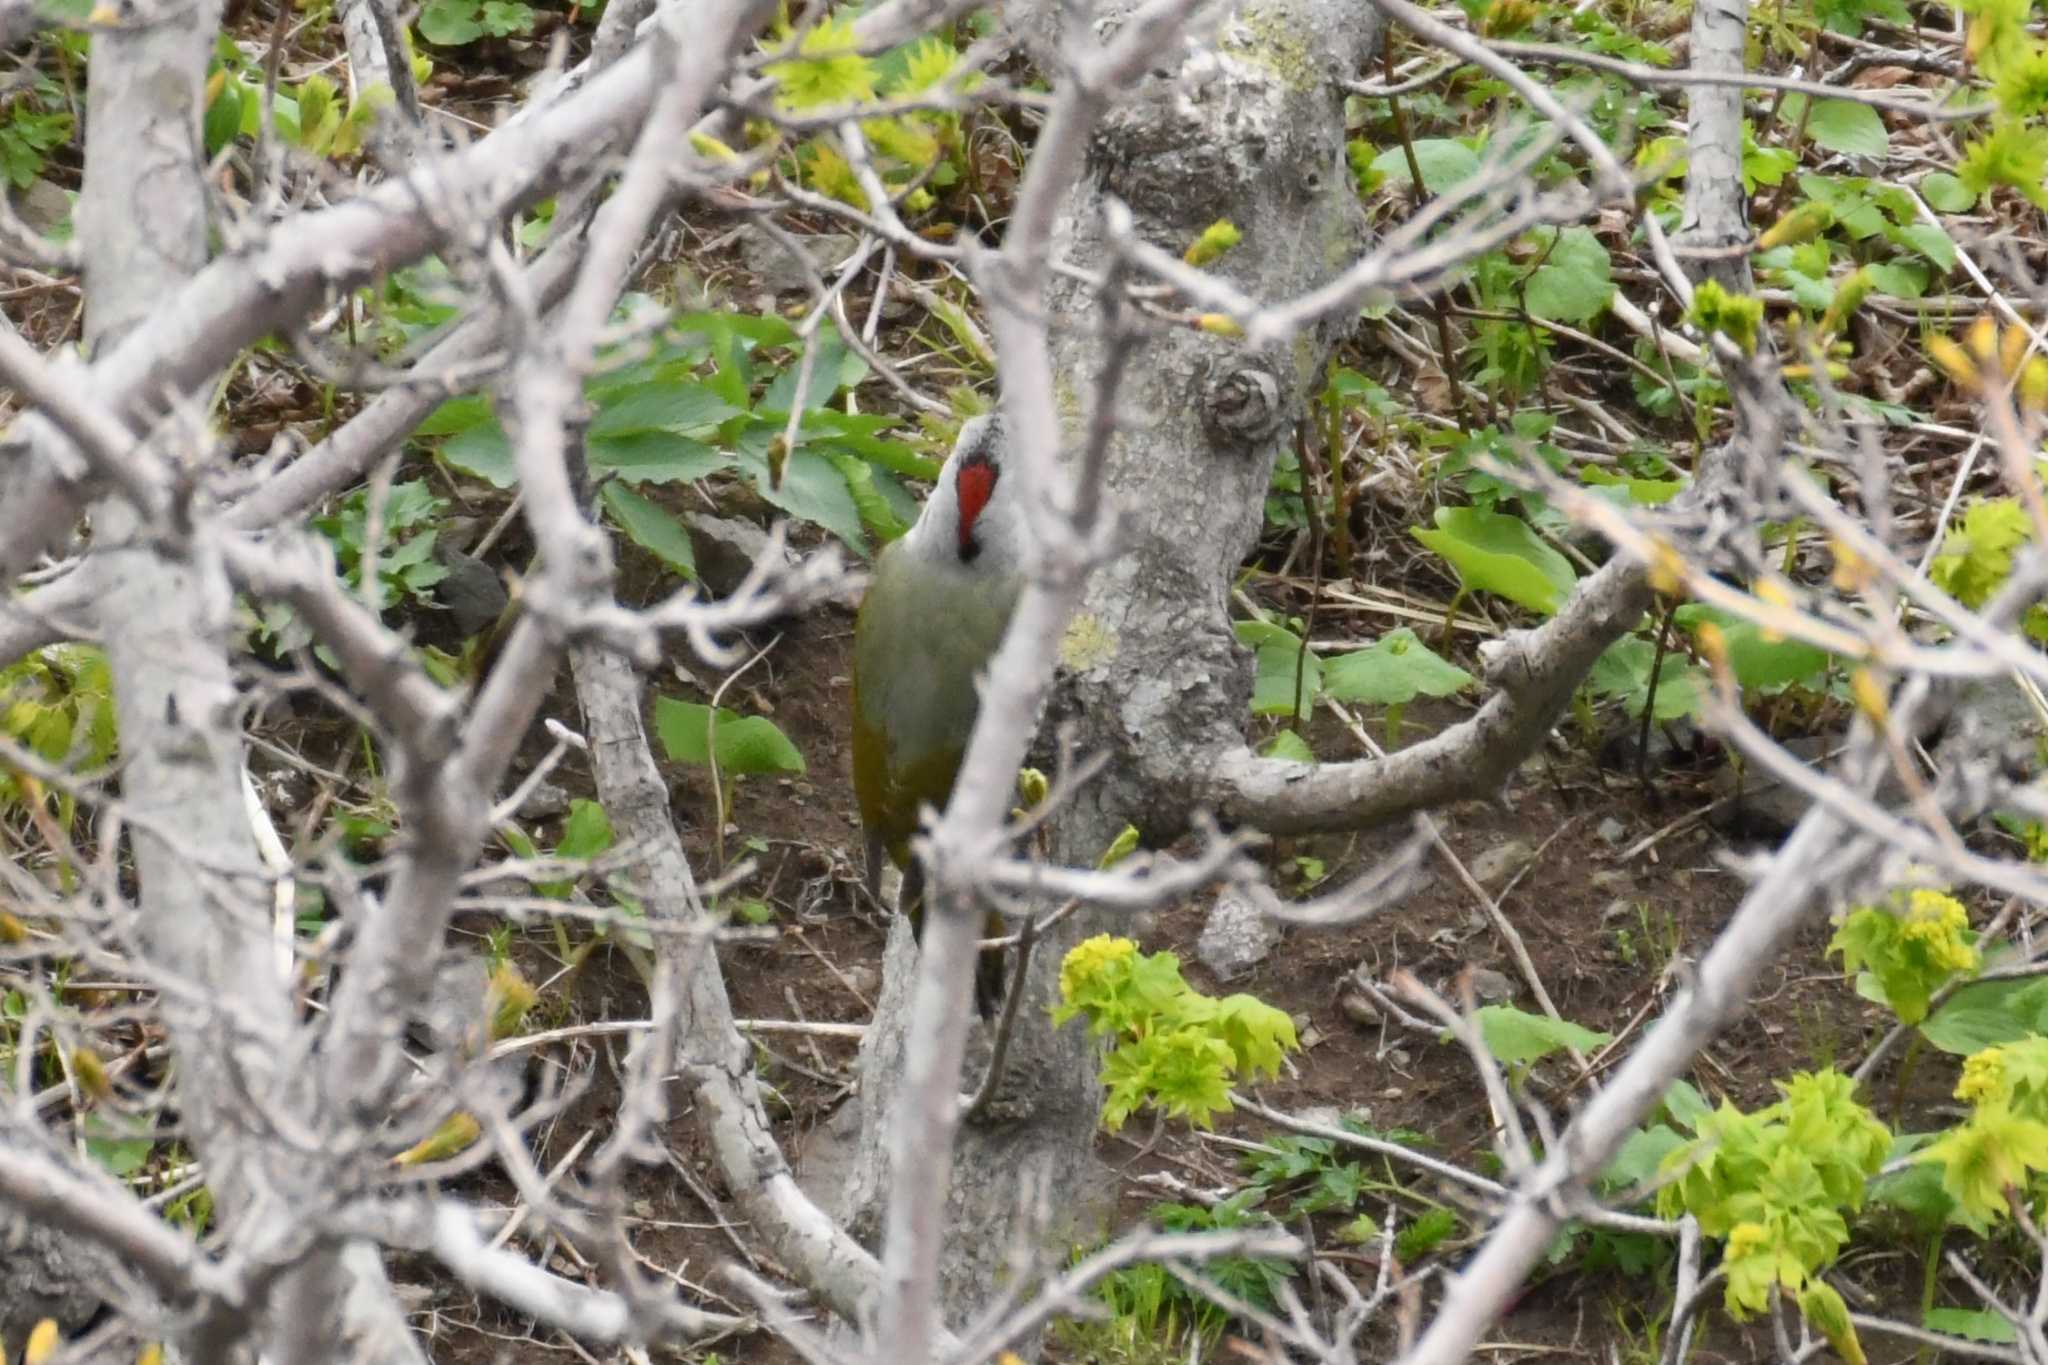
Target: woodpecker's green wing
[926,630]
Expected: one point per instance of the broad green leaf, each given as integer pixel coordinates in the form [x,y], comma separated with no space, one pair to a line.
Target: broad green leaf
[1640,1156]
[1686,1105]
[1916,1190]
[1623,671]
[655,457]
[586,833]
[1987,1014]
[1497,553]
[1930,241]
[657,406]
[451,23]
[457,415]
[1515,1036]
[1286,671]
[1641,492]
[1977,1324]
[1901,279]
[484,452]
[1848,127]
[834,367]
[746,745]
[1396,669]
[1757,662]
[1288,744]
[812,487]
[1849,201]
[650,526]
[1443,162]
[748,329]
[1946,194]
[223,117]
[116,1145]
[1574,283]
[1259,1036]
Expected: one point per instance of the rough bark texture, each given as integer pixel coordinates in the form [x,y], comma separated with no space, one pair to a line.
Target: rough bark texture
[1248,128]
[202,896]
[1715,215]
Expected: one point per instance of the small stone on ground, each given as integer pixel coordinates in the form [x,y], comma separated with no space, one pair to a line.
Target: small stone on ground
[1236,937]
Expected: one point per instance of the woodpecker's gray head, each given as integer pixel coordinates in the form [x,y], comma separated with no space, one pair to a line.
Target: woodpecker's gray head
[974,518]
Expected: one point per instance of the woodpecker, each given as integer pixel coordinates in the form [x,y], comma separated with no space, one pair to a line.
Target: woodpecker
[937,605]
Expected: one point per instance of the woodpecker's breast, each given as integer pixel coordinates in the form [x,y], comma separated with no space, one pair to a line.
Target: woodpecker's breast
[926,629]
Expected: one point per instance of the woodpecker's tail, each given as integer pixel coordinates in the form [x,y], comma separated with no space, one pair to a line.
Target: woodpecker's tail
[991,972]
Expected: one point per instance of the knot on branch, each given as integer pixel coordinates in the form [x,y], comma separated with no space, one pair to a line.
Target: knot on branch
[1242,403]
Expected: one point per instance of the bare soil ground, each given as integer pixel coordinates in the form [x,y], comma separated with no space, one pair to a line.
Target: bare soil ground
[1604,909]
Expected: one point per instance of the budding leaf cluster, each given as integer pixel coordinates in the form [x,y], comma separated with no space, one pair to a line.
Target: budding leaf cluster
[1909,954]
[1171,1047]
[2003,1146]
[1774,1184]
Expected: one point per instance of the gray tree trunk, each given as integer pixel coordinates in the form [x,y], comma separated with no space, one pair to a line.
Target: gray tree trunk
[203,917]
[1250,129]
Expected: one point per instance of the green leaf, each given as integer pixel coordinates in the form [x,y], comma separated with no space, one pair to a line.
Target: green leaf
[1641,1154]
[451,23]
[1976,557]
[746,746]
[1623,671]
[457,415]
[1977,1324]
[834,367]
[223,118]
[1259,1036]
[1288,744]
[655,457]
[1424,1233]
[1980,1159]
[877,512]
[482,451]
[1514,1036]
[1497,553]
[116,1145]
[1988,1014]
[1901,279]
[1848,127]
[1395,669]
[1120,848]
[1639,491]
[586,833]
[1755,661]
[657,405]
[826,68]
[649,525]
[812,487]
[1686,1105]
[1285,669]
[1915,1191]
[1930,241]
[1575,281]
[1946,194]
[1443,161]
